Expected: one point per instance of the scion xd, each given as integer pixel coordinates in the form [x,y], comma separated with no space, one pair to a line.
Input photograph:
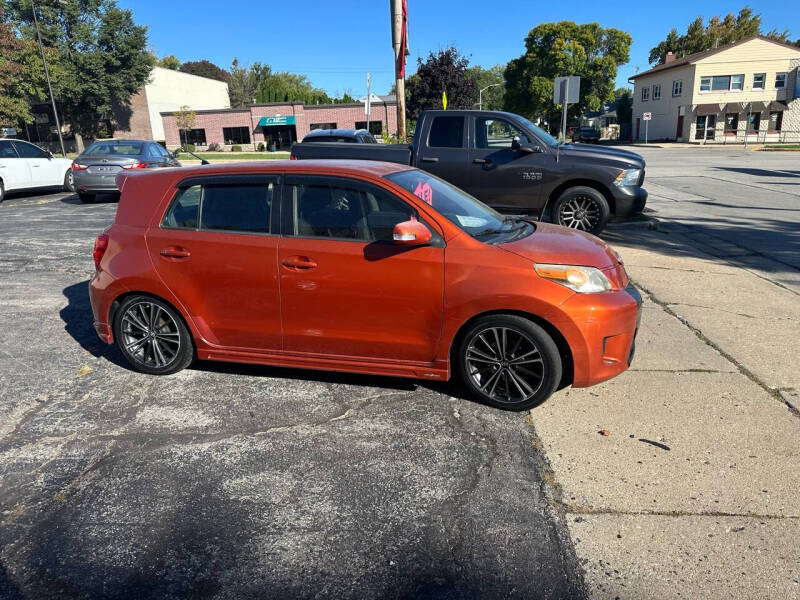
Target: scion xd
[357,266]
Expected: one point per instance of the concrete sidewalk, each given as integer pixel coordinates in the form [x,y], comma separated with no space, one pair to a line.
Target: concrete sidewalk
[681,477]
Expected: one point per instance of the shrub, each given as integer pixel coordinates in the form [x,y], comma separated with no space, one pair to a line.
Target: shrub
[261,147]
[214,147]
[236,148]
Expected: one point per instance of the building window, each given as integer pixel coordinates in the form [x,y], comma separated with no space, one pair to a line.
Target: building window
[780,81]
[656,92]
[753,122]
[236,135]
[758,81]
[731,123]
[705,84]
[375,127]
[195,136]
[737,83]
[645,94]
[314,126]
[677,88]
[775,121]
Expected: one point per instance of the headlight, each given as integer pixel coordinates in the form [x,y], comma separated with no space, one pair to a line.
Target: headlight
[628,177]
[586,280]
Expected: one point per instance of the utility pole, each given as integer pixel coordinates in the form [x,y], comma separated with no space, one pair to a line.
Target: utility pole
[367,108]
[47,76]
[480,94]
[399,44]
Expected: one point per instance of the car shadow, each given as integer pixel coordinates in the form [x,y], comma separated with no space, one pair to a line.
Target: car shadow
[99,199]
[79,324]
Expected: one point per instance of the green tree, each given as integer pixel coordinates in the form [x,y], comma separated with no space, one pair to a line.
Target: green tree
[100,56]
[290,87]
[624,99]
[719,31]
[169,62]
[555,49]
[493,97]
[205,68]
[186,120]
[245,82]
[13,106]
[446,71]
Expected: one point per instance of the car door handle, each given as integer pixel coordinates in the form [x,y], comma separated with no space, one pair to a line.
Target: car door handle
[430,159]
[175,252]
[299,263]
[481,161]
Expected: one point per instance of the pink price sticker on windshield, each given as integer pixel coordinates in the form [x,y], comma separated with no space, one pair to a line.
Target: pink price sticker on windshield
[424,192]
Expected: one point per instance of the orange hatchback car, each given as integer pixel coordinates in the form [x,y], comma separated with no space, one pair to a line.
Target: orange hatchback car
[366,267]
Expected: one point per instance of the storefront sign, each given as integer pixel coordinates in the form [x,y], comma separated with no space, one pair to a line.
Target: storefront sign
[275,121]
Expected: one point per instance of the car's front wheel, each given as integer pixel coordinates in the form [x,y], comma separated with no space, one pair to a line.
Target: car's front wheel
[2,191]
[509,362]
[582,208]
[152,336]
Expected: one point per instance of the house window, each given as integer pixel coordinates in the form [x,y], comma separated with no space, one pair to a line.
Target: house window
[195,136]
[705,84]
[236,135]
[314,126]
[780,81]
[375,127]
[737,83]
[731,123]
[656,92]
[775,121]
[753,122]
[677,88]
[722,83]
[645,94]
[758,81]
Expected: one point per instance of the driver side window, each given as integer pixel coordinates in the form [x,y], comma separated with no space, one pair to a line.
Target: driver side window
[496,134]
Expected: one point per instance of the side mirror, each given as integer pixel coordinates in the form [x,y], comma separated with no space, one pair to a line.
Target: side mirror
[515,145]
[50,154]
[411,233]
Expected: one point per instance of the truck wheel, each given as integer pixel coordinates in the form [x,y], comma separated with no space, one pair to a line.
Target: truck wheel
[581,208]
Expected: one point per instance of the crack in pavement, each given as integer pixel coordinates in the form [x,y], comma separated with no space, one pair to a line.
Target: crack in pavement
[582,509]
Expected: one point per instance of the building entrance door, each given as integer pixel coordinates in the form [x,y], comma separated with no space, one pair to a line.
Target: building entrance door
[706,127]
[679,131]
[281,137]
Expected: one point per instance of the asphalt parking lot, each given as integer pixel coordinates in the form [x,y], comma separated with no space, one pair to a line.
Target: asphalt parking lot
[228,481]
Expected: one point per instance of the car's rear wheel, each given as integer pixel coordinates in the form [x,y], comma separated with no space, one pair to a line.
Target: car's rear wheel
[508,362]
[582,208]
[69,181]
[86,198]
[152,336]
[2,190]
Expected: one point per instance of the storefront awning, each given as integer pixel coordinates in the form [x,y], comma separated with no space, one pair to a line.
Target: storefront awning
[276,121]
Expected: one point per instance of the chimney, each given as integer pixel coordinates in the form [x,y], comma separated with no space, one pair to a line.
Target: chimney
[669,58]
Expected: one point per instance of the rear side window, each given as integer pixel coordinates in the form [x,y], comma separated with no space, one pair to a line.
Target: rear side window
[243,208]
[446,132]
[7,150]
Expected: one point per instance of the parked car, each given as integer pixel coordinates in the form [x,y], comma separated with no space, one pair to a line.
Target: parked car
[346,136]
[586,134]
[512,165]
[357,266]
[25,166]
[96,168]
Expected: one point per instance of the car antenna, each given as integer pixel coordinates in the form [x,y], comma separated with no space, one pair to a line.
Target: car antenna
[202,160]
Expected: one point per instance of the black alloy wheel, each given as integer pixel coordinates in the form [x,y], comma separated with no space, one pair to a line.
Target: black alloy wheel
[509,362]
[152,336]
[582,208]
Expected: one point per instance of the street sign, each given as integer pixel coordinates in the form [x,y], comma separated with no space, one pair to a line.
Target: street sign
[444,100]
[647,116]
[568,88]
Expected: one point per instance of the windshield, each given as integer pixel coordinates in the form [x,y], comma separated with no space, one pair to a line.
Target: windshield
[540,133]
[461,209]
[114,148]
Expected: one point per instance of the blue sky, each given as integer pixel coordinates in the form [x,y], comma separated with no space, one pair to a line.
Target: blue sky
[335,42]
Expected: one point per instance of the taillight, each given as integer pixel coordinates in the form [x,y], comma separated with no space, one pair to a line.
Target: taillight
[79,167]
[100,247]
[137,165]
[292,157]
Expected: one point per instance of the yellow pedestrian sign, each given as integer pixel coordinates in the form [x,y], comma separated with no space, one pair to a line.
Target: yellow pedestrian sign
[444,100]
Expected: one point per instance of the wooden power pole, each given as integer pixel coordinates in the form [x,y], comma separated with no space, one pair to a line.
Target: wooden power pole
[399,44]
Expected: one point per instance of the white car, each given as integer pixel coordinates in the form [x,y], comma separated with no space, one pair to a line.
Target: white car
[24,166]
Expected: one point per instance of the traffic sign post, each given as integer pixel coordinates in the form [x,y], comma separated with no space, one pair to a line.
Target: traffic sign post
[646,117]
[566,90]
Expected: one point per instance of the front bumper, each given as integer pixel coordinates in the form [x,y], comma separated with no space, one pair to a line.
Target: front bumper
[608,324]
[95,182]
[628,200]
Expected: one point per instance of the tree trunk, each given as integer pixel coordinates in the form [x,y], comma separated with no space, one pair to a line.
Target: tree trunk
[79,143]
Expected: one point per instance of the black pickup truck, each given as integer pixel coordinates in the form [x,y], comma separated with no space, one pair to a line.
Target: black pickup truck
[512,165]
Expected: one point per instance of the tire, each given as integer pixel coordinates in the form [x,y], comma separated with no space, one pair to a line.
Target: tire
[2,190]
[497,378]
[69,182]
[152,336]
[581,208]
[86,198]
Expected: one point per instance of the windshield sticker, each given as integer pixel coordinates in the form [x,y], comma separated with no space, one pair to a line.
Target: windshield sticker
[424,192]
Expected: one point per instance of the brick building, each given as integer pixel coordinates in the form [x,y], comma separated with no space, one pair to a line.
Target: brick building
[278,124]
